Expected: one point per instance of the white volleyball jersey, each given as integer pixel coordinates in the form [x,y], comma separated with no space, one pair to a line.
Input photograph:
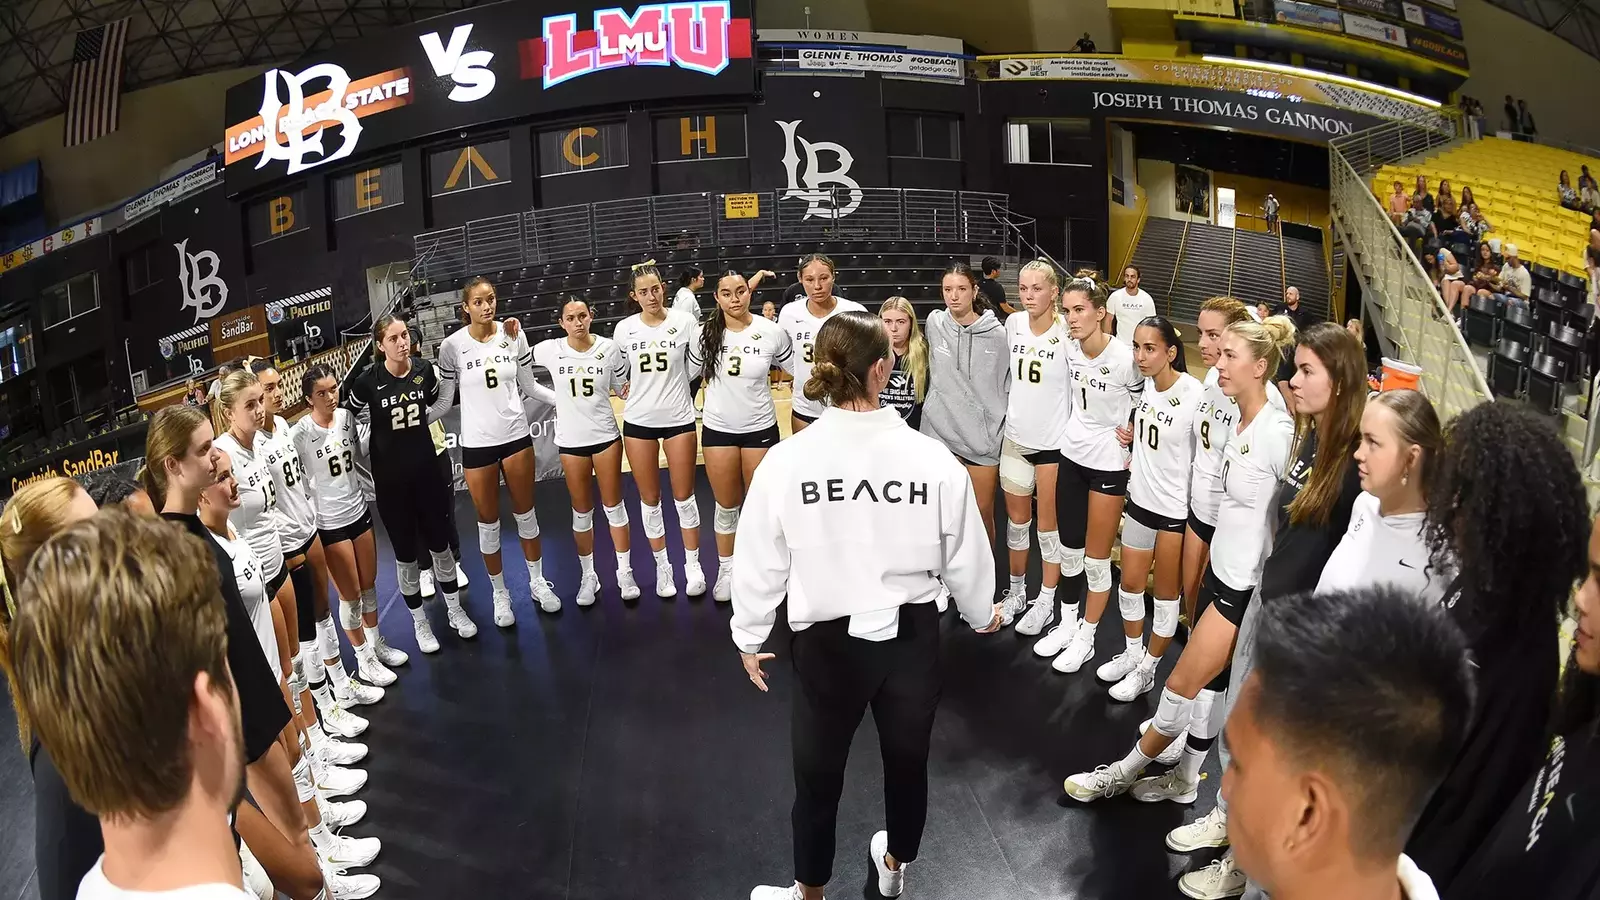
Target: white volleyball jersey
[330,459]
[802,326]
[1040,401]
[739,400]
[258,497]
[1105,389]
[583,382]
[253,591]
[486,371]
[1163,446]
[293,513]
[1252,462]
[658,369]
[1213,422]
[1378,549]
[686,302]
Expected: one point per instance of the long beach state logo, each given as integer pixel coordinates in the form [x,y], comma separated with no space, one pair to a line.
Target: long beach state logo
[206,293]
[288,141]
[819,199]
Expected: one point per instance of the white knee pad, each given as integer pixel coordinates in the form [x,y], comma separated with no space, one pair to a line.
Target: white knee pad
[1071,560]
[1166,618]
[328,638]
[527,524]
[369,600]
[617,516]
[1050,546]
[489,537]
[308,661]
[688,513]
[408,574]
[1204,721]
[350,614]
[1172,713]
[654,525]
[1098,573]
[1017,534]
[726,520]
[582,521]
[1131,606]
[444,566]
[297,675]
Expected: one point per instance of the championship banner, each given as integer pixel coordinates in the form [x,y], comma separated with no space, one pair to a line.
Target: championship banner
[1308,15]
[887,62]
[1214,76]
[21,256]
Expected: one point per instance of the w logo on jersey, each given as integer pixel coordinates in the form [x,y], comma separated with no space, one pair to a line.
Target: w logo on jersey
[1244,449]
[755,337]
[672,330]
[417,380]
[1174,401]
[1105,370]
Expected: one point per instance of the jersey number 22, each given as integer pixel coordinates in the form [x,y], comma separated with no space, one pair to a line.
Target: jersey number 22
[408,416]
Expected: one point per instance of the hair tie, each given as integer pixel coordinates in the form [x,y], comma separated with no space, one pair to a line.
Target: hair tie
[647,263]
[16,522]
[11,602]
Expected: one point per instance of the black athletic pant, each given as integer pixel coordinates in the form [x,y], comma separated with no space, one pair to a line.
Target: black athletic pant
[417,507]
[447,474]
[837,677]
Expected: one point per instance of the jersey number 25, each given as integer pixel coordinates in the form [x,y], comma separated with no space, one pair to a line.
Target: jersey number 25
[658,359]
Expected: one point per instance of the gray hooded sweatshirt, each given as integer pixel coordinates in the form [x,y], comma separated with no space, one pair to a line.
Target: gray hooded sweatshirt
[969,378]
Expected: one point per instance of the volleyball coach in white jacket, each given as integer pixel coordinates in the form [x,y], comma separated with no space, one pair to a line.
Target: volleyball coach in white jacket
[856,520]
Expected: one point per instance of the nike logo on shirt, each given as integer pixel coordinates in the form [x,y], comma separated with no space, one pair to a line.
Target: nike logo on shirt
[1406,565]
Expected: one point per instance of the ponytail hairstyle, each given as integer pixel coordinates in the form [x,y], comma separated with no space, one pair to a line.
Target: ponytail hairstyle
[1416,423]
[222,404]
[33,514]
[309,380]
[166,439]
[1267,340]
[962,269]
[810,258]
[642,270]
[378,329]
[1231,309]
[711,332]
[688,275]
[1346,361]
[466,290]
[1170,337]
[847,346]
[1085,282]
[1051,274]
[916,345]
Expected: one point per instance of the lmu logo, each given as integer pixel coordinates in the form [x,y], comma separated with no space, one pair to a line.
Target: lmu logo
[820,201]
[208,293]
[470,71]
[700,36]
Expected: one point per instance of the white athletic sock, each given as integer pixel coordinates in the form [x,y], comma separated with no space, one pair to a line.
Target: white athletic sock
[661,557]
[1019,584]
[1047,594]
[315,735]
[1087,629]
[691,561]
[1135,645]
[1135,762]
[1069,612]
[322,694]
[535,570]
[498,582]
[371,631]
[421,615]
[319,835]
[724,562]
[340,678]
[586,563]
[1189,766]
[624,561]
[452,601]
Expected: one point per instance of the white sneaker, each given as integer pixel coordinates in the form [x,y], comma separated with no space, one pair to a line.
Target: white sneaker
[426,580]
[665,587]
[337,781]
[1141,679]
[1119,666]
[426,642]
[1174,751]
[388,655]
[1220,879]
[337,815]
[768,892]
[1055,640]
[461,575]
[370,668]
[1170,786]
[588,589]
[722,591]
[1011,605]
[336,720]
[1040,613]
[890,881]
[359,694]
[1104,781]
[626,586]
[1210,830]
[340,886]
[1076,653]
[339,753]
[460,621]
[694,578]
[544,594]
[503,616]
[342,851]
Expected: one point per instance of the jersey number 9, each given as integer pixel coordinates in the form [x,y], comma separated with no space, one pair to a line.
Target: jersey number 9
[408,416]
[334,468]
[1032,375]
[656,362]
[582,388]
[1205,433]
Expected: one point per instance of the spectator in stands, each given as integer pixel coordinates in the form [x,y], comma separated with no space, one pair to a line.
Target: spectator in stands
[193,393]
[1262,311]
[1566,193]
[1485,272]
[1085,44]
[1445,193]
[1473,222]
[1446,224]
[1516,282]
[1513,121]
[1453,285]
[1417,226]
[1421,194]
[1271,208]
[1398,204]
[1588,192]
[991,289]
[1466,197]
[1525,118]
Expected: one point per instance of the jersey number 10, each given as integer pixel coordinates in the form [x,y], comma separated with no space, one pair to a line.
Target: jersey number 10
[1150,435]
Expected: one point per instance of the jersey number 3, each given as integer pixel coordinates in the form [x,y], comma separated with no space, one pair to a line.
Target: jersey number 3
[408,416]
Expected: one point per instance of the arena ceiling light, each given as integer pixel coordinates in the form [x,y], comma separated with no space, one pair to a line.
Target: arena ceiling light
[1316,75]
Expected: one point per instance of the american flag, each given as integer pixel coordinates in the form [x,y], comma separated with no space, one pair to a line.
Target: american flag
[94,96]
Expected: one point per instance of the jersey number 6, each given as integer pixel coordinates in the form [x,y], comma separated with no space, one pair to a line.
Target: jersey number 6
[491,379]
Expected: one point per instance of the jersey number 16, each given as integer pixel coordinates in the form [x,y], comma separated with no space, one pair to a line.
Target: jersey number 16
[1031,368]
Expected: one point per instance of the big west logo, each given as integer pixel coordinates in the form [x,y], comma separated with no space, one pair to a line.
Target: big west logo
[701,36]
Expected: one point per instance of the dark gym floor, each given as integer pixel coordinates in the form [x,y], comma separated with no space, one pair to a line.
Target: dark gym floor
[619,752]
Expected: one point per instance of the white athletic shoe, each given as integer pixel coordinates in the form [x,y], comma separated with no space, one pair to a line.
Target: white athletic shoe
[890,881]
[461,575]
[1119,666]
[1210,830]
[1040,613]
[426,580]
[768,892]
[340,886]
[359,694]
[1170,786]
[544,594]
[341,851]
[1056,639]
[337,815]
[1104,781]
[665,586]
[388,655]
[694,577]
[588,589]
[1219,880]
[1076,653]
[337,781]
[503,616]
[1174,751]
[339,753]
[370,668]
[626,586]
[722,591]
[1141,679]
[336,720]
[460,621]
[426,642]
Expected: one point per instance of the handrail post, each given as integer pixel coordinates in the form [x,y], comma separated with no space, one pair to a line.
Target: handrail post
[1177,264]
[1283,266]
[1233,253]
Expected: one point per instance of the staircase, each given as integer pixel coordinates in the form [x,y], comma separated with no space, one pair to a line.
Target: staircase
[1207,252]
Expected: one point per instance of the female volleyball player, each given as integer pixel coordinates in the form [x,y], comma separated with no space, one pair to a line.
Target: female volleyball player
[908,380]
[801,318]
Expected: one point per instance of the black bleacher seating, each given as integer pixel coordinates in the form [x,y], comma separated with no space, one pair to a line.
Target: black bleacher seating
[1507,368]
[1480,322]
[1547,384]
[1547,310]
[1517,327]
[1565,344]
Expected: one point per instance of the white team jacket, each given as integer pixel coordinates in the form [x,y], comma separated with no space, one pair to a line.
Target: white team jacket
[854,517]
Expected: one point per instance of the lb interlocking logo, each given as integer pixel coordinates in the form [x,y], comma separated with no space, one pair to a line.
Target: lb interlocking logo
[207,293]
[821,202]
[296,146]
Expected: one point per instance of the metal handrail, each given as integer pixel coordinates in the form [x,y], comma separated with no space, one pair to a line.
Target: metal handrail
[1283,268]
[1233,254]
[1138,231]
[1177,264]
